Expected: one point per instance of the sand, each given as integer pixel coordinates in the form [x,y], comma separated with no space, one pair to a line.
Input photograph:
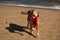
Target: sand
[13,24]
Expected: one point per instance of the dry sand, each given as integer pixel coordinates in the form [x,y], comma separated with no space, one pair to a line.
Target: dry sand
[13,24]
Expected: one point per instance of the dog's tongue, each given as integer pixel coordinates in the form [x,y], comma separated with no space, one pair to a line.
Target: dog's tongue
[33,17]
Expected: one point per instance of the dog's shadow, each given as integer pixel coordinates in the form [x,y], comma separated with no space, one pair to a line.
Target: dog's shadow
[12,27]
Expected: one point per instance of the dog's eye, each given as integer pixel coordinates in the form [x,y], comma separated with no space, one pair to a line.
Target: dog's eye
[33,15]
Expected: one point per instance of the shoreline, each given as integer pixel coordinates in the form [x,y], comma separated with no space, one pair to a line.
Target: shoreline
[34,6]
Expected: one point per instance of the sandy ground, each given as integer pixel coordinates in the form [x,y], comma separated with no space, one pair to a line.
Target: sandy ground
[13,24]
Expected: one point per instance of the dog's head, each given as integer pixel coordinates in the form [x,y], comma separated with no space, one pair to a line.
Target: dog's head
[35,13]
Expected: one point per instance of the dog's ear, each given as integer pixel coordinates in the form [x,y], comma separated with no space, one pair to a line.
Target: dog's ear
[38,13]
[29,11]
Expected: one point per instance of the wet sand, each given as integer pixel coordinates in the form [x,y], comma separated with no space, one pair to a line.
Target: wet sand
[13,24]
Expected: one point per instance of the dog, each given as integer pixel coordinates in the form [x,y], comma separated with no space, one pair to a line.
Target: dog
[33,21]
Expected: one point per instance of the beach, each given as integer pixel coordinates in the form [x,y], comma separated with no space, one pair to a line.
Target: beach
[13,24]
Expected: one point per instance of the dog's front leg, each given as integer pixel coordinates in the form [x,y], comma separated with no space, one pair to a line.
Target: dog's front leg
[28,23]
[31,27]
